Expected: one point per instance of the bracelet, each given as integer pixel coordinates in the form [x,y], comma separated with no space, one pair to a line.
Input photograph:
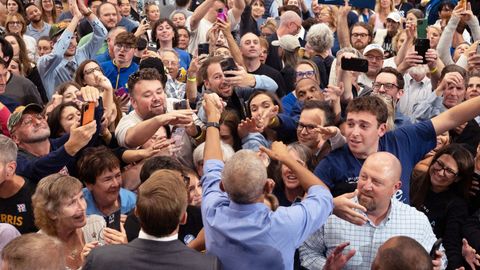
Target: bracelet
[194,79]
[86,14]
[433,70]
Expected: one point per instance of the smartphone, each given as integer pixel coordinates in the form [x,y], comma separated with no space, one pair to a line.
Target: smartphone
[121,91]
[422,25]
[228,64]
[152,46]
[355,64]
[435,247]
[222,14]
[203,48]
[180,105]
[88,113]
[463,4]
[113,220]
[421,47]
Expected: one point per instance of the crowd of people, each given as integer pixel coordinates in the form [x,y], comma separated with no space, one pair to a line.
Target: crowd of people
[239,134]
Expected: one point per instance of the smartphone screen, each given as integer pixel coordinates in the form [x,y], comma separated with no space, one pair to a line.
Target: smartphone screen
[355,64]
[421,47]
[203,48]
[113,220]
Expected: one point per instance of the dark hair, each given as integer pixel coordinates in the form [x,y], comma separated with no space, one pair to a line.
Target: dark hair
[455,68]
[398,75]
[271,95]
[21,7]
[54,117]
[404,253]
[94,162]
[461,187]
[181,3]
[365,26]
[156,63]
[7,50]
[323,106]
[182,28]
[63,87]
[446,3]
[230,119]
[79,75]
[293,8]
[23,54]
[174,30]
[156,163]
[161,202]
[370,104]
[142,74]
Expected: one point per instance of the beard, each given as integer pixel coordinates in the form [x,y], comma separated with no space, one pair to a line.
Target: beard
[367,202]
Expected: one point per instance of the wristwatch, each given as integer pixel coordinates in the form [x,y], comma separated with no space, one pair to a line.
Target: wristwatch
[213,124]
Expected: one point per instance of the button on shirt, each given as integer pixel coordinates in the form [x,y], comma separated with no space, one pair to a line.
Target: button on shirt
[401,219]
[53,67]
[251,236]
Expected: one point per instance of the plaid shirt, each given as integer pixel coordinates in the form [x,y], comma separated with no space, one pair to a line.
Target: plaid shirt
[175,89]
[401,219]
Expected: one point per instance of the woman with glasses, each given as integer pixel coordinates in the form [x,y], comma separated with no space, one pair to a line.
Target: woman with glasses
[304,69]
[15,23]
[49,12]
[442,194]
[27,66]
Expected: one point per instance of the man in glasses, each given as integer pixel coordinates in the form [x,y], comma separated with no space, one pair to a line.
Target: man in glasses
[122,66]
[374,55]
[59,66]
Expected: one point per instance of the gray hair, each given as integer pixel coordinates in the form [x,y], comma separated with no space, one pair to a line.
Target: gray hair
[164,50]
[244,177]
[8,148]
[320,37]
[227,152]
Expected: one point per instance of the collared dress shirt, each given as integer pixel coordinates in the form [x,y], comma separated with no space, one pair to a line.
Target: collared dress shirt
[251,236]
[56,69]
[401,219]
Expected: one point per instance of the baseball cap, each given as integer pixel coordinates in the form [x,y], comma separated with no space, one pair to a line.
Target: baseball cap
[373,47]
[287,42]
[394,16]
[17,115]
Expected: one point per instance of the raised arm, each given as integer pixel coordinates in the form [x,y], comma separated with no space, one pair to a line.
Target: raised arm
[213,108]
[457,115]
[343,32]
[237,10]
[199,13]
[306,178]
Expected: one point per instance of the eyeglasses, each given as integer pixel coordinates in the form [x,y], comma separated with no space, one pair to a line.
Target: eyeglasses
[186,180]
[91,70]
[374,58]
[357,35]
[440,166]
[388,86]
[14,23]
[126,47]
[309,128]
[305,74]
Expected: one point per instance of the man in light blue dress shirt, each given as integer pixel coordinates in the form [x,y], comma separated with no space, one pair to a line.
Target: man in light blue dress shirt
[60,65]
[239,228]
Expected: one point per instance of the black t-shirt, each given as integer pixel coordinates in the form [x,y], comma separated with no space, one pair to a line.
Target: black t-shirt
[17,210]
[186,233]
[276,76]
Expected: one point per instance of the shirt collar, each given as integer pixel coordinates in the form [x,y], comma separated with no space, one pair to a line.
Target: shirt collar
[247,207]
[144,235]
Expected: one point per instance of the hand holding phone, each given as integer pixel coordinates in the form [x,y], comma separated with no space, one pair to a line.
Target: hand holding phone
[421,47]
[203,48]
[354,64]
[435,247]
[228,64]
[88,113]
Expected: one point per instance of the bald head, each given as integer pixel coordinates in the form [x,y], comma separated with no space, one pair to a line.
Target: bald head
[289,16]
[290,23]
[250,46]
[386,163]
[402,253]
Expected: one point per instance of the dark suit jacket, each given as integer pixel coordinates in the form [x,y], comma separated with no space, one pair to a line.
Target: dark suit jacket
[149,254]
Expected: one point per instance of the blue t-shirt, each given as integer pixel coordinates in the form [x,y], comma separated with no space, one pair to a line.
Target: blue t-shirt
[340,169]
[128,200]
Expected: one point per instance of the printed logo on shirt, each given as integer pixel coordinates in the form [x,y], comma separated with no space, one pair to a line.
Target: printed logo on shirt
[11,219]
[22,208]
[352,180]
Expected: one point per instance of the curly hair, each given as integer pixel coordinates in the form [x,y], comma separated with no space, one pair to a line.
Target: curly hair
[320,37]
[50,195]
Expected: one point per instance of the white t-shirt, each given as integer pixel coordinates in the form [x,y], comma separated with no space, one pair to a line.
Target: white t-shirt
[200,35]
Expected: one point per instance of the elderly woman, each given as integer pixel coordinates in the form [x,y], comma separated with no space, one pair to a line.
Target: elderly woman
[59,208]
[319,43]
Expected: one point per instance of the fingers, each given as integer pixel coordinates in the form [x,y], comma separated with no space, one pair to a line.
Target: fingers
[90,94]
[112,236]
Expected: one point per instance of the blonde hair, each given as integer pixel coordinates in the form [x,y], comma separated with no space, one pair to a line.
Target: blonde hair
[377,6]
[48,198]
